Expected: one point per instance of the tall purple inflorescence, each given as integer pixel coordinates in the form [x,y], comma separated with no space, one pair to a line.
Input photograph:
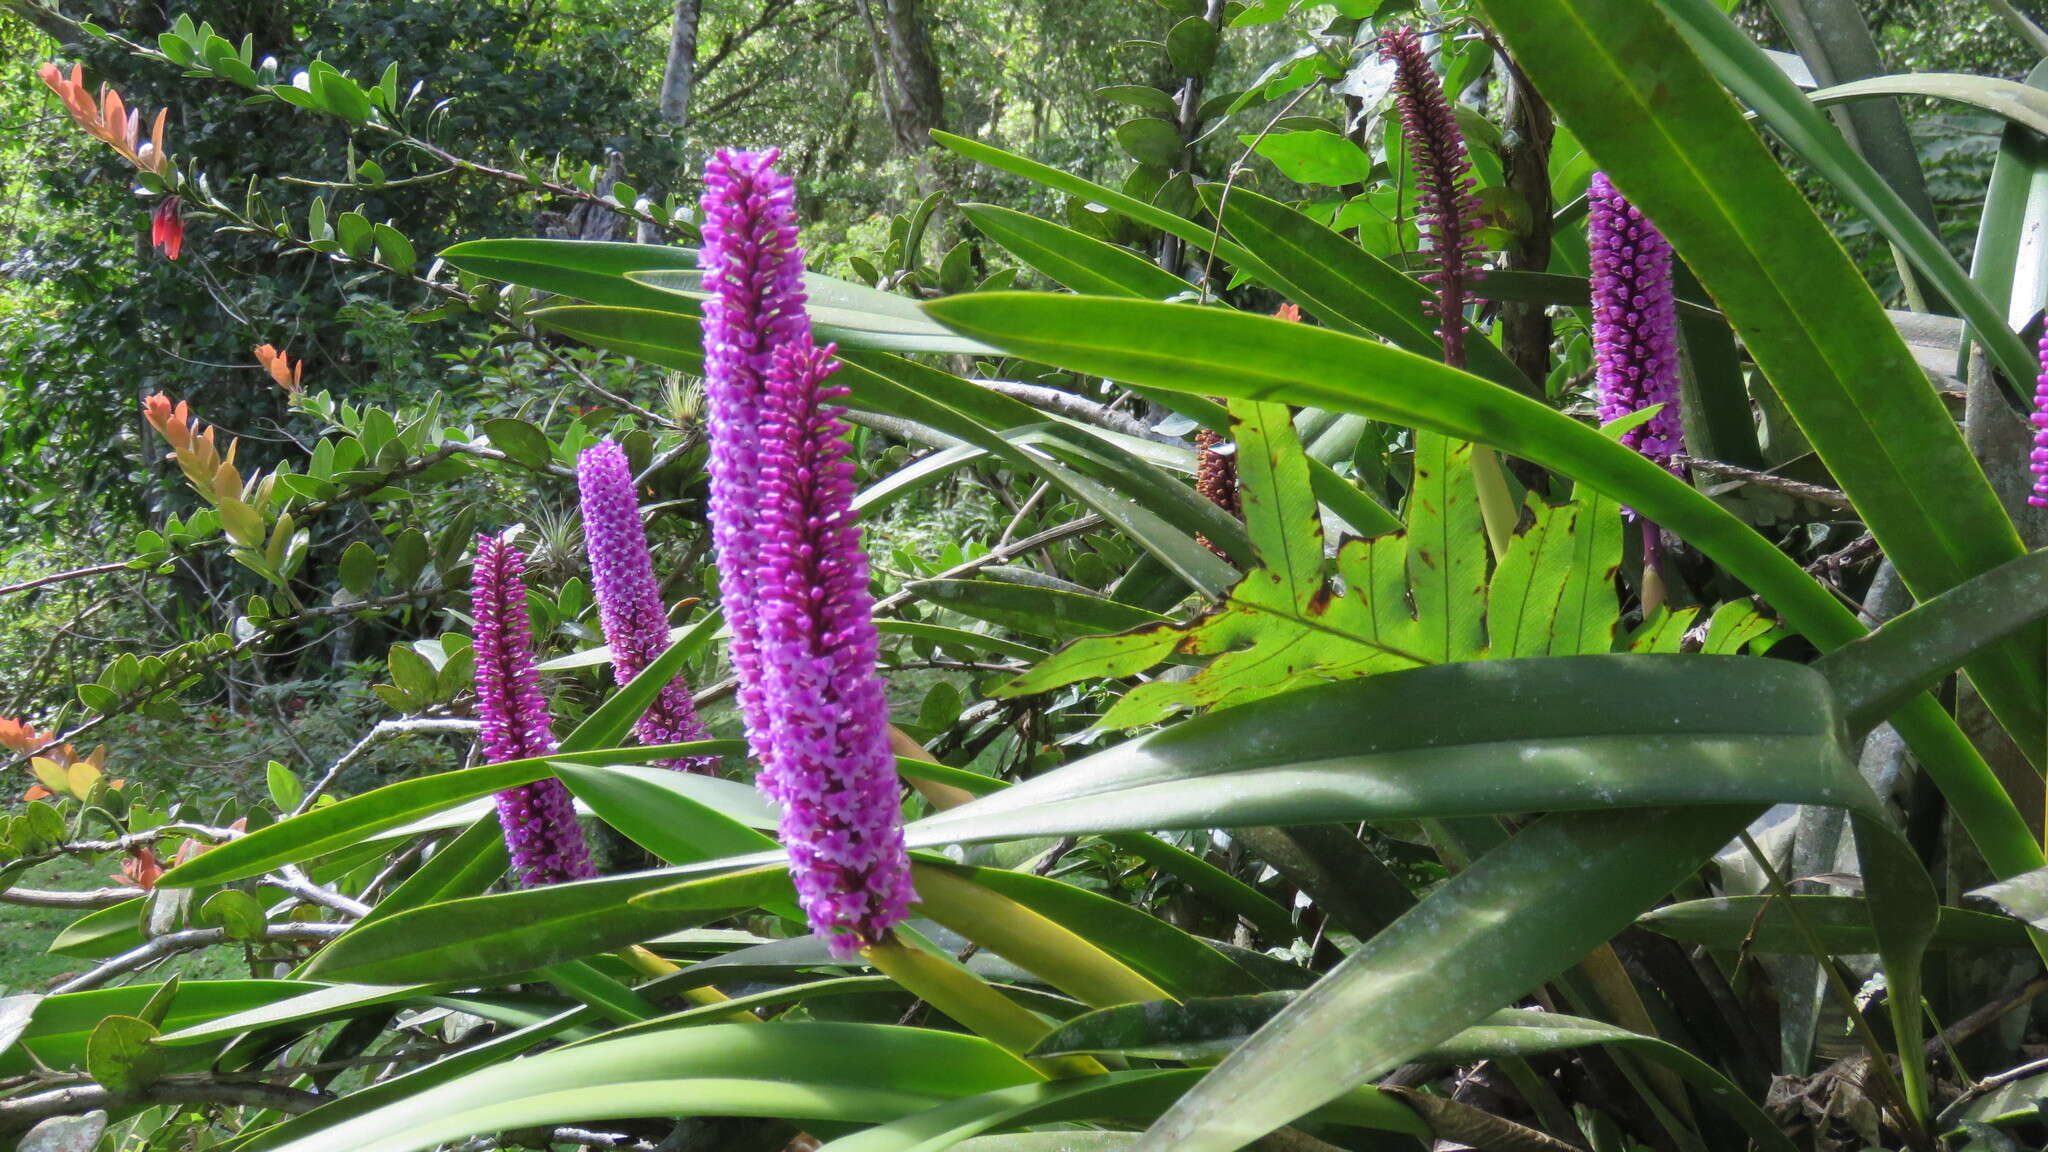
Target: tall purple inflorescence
[793,576]
[541,833]
[2039,458]
[1449,208]
[629,598]
[1635,323]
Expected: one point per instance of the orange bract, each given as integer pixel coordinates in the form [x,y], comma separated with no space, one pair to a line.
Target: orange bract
[287,374]
[109,120]
[19,737]
[197,455]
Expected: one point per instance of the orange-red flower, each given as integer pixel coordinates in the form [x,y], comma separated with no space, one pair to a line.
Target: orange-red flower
[108,119]
[16,736]
[211,473]
[287,374]
[167,226]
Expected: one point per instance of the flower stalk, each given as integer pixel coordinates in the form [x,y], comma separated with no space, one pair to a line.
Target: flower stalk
[1448,216]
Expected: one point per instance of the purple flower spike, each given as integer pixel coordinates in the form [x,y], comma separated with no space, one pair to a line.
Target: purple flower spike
[541,832]
[1449,208]
[2038,459]
[787,540]
[629,598]
[754,273]
[1635,323]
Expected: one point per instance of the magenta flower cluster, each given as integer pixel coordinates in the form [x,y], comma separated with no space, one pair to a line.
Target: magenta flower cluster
[1449,208]
[2038,460]
[1635,323]
[793,578]
[541,834]
[629,600]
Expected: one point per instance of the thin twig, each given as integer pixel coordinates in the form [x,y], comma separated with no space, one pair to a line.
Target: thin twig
[1818,493]
[58,577]
[75,901]
[24,1112]
[383,728]
[187,940]
[293,880]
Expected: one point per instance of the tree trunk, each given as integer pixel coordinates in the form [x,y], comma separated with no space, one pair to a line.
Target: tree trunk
[679,78]
[919,104]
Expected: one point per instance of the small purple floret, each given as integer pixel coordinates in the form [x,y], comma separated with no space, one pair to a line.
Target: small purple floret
[629,597]
[2038,459]
[792,572]
[1635,323]
[541,834]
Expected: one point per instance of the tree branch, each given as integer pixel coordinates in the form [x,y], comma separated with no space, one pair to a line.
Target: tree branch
[172,943]
[24,1112]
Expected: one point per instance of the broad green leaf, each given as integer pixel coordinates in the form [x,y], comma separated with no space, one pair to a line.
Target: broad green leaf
[854,315]
[1211,352]
[614,719]
[1739,63]
[2019,103]
[585,270]
[102,933]
[798,1071]
[513,932]
[1020,934]
[1048,612]
[1345,286]
[358,818]
[1208,1029]
[1912,652]
[1117,1095]
[464,866]
[896,387]
[334,1002]
[1786,286]
[681,817]
[121,1056]
[1071,259]
[1285,623]
[1462,739]
[1519,915]
[1553,593]
[1766,924]
[58,1031]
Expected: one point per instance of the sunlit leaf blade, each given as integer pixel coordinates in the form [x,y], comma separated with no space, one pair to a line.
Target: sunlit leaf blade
[799,1071]
[1067,257]
[1473,738]
[358,818]
[1113,1096]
